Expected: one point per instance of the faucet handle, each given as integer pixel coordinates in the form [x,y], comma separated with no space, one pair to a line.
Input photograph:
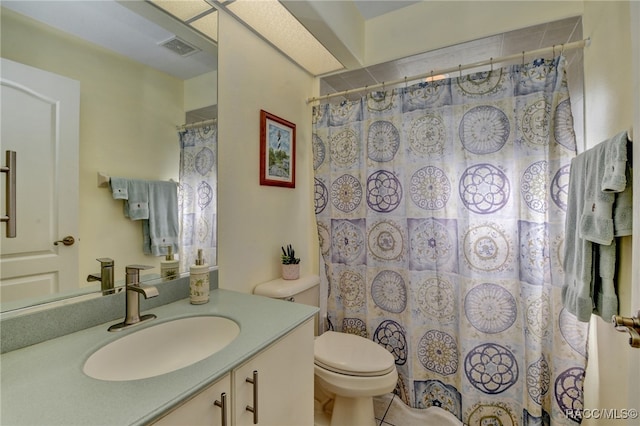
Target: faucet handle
[133,273]
[105,261]
[134,268]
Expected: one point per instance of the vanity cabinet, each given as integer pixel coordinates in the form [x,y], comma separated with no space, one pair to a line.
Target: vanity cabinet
[206,408]
[284,388]
[275,387]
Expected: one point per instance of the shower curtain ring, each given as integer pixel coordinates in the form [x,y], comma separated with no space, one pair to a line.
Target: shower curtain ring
[553,49]
[491,61]
[459,70]
[405,82]
[523,58]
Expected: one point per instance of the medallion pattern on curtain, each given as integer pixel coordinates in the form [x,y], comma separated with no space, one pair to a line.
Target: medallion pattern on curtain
[440,211]
[197,195]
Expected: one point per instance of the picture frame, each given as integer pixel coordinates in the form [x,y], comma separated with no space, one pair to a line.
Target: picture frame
[277,151]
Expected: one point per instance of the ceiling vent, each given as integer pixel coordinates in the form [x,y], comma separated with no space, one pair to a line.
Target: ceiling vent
[179,46]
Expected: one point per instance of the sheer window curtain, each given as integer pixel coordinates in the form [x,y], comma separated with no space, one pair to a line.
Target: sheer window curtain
[440,210]
[197,194]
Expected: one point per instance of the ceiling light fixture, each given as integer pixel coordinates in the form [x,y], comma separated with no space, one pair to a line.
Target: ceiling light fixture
[198,14]
[274,23]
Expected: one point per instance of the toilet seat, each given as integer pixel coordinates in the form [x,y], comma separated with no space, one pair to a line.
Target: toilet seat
[352,355]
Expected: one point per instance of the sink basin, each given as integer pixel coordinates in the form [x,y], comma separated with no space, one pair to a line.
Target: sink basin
[161,349]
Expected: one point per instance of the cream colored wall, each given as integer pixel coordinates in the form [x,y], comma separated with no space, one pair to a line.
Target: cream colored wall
[128,115]
[429,25]
[634,356]
[609,103]
[201,91]
[255,221]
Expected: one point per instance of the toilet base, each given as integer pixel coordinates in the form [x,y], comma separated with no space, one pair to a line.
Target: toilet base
[352,411]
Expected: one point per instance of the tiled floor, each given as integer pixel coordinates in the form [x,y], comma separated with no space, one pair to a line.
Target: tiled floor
[391,411]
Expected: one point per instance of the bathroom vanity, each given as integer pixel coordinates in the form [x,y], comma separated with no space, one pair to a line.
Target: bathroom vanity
[265,377]
[264,374]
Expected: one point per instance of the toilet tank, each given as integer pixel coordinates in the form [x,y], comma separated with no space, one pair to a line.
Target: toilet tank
[305,290]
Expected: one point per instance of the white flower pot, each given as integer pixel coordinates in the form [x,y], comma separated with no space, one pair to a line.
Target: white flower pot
[291,272]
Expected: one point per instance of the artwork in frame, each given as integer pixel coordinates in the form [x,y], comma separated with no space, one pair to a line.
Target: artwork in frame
[277,151]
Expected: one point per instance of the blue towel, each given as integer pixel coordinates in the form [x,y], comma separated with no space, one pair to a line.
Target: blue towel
[578,252]
[119,188]
[137,205]
[599,208]
[162,229]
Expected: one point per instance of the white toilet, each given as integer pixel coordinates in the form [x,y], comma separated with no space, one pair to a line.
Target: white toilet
[350,369]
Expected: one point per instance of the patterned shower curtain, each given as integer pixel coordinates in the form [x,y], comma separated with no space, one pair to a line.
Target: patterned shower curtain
[440,211]
[197,194]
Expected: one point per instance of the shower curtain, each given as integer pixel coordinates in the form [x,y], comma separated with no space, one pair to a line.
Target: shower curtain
[440,211]
[197,194]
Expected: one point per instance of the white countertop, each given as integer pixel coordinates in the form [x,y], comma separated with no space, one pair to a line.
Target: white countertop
[44,384]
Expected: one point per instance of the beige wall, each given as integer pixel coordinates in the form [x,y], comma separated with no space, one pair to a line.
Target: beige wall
[255,221]
[609,103]
[201,91]
[431,24]
[633,395]
[128,114]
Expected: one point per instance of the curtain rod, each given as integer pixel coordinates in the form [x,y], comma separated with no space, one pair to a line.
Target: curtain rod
[561,48]
[196,124]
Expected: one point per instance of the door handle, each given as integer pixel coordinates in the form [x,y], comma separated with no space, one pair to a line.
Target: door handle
[630,325]
[67,241]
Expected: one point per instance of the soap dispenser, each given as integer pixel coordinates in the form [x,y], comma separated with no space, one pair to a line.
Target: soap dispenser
[199,281]
[170,267]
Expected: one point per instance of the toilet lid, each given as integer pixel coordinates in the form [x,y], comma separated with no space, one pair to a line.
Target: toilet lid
[352,355]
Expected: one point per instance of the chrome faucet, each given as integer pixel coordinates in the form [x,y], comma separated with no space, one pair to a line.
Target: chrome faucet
[105,276]
[132,297]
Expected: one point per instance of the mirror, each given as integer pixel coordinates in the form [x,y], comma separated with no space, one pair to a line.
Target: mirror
[130,104]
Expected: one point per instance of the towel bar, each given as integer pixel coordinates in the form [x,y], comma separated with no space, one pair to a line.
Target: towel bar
[104,179]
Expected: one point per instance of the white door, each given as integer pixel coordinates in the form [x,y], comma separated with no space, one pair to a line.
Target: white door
[40,121]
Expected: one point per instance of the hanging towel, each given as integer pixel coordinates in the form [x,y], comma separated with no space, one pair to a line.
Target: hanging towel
[119,188]
[623,210]
[162,229]
[614,178]
[623,205]
[137,205]
[600,199]
[578,253]
[596,220]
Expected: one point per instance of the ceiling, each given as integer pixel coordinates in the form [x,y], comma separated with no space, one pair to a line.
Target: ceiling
[138,38]
[124,28]
[374,8]
[513,42]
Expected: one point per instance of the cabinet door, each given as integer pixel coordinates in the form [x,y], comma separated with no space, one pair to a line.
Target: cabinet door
[284,373]
[206,408]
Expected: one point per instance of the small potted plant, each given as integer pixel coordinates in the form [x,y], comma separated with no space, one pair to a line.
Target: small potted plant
[290,263]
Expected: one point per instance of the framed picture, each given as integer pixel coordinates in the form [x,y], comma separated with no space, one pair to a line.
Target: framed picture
[277,151]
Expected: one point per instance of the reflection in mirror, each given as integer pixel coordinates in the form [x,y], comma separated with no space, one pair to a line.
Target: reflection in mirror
[116,101]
